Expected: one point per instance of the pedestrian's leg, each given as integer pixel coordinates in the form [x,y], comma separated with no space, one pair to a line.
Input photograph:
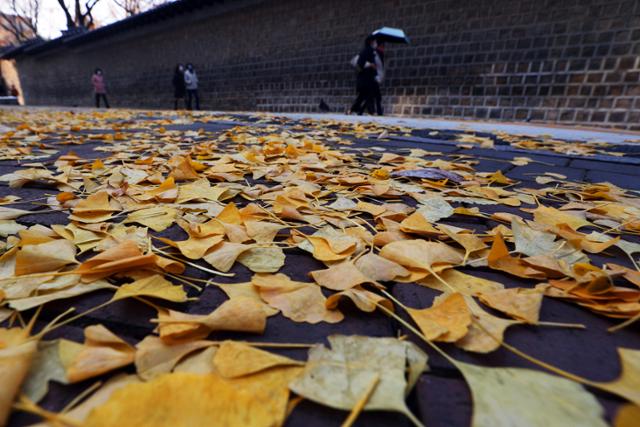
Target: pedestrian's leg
[175,103]
[358,103]
[197,97]
[378,99]
[106,103]
[369,96]
[97,100]
[370,104]
[189,100]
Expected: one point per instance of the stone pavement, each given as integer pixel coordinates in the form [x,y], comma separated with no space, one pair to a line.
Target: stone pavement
[441,397]
[518,128]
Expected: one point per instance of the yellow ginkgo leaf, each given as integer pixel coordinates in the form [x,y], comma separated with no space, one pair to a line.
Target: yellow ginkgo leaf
[43,257]
[154,357]
[477,339]
[376,267]
[182,169]
[553,217]
[199,190]
[262,260]
[224,255]
[102,352]
[517,396]
[340,276]
[362,298]
[421,254]
[158,218]
[194,247]
[17,350]
[463,283]
[123,257]
[519,303]
[187,399]
[155,286]
[416,223]
[627,416]
[247,290]
[239,314]
[234,359]
[230,214]
[323,251]
[447,320]
[299,301]
[338,377]
[95,203]
[628,384]
[262,231]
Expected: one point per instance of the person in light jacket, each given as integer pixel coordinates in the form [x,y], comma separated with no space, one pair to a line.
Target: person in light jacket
[99,87]
[191,83]
[179,87]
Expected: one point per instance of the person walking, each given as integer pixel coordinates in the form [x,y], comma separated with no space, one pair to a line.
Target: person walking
[191,84]
[99,87]
[179,86]
[366,80]
[377,95]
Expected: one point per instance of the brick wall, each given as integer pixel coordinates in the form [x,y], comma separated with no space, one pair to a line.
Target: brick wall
[568,61]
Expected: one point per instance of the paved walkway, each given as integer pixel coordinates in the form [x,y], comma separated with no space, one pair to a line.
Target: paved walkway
[522,128]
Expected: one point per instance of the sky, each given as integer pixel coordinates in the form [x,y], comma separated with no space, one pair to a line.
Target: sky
[52,19]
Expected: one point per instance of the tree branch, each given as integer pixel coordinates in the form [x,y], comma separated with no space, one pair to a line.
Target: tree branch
[70,21]
[21,22]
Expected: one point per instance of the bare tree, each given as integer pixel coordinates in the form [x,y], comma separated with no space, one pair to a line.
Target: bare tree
[22,20]
[133,7]
[130,7]
[78,15]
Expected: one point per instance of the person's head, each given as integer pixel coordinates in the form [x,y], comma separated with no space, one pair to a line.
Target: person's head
[98,71]
[190,66]
[179,68]
[380,46]
[371,41]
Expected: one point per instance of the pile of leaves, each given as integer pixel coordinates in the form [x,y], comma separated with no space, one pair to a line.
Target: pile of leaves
[254,196]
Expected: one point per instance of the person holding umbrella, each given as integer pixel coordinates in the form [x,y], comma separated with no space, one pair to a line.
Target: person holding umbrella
[369,80]
[377,95]
[366,80]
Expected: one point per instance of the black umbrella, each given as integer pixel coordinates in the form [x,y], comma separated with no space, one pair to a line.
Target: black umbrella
[390,35]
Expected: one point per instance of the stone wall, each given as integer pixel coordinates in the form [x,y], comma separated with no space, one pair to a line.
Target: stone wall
[567,61]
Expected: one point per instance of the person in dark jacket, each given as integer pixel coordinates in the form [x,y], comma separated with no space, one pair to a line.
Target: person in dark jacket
[377,95]
[366,81]
[179,87]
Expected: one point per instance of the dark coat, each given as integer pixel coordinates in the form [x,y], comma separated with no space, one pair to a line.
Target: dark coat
[366,55]
[179,88]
